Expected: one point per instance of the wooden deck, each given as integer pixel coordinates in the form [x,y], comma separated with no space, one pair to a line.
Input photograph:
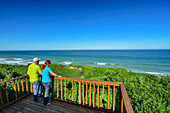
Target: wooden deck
[26,105]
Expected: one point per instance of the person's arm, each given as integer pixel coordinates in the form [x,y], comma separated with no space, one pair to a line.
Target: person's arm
[51,72]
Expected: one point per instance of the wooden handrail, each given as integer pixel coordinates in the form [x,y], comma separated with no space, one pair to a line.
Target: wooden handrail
[128,107]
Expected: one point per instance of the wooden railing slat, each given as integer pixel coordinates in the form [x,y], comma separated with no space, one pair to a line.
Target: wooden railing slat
[113,98]
[79,92]
[90,96]
[86,92]
[83,93]
[73,91]
[98,96]
[65,90]
[22,86]
[94,95]
[26,84]
[108,96]
[57,88]
[6,93]
[61,89]
[18,87]
[15,89]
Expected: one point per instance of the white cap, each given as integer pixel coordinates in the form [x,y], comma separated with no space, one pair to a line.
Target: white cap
[36,59]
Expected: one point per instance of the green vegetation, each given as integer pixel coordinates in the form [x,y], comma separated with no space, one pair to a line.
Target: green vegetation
[147,92]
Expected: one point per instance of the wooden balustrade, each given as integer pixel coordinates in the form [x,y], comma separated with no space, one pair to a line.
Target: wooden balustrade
[89,95]
[100,95]
[6,98]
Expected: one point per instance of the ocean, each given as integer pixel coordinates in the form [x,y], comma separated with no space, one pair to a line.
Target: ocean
[144,61]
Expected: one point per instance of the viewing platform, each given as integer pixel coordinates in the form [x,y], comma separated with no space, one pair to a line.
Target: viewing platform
[69,95]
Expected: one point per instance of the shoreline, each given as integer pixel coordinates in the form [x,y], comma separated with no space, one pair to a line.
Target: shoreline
[72,67]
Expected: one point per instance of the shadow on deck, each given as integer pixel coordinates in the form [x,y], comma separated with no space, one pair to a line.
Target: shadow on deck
[26,105]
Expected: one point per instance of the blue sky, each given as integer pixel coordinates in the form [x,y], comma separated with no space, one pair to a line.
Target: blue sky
[84,24]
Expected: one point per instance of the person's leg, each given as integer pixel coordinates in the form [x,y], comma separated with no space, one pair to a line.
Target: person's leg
[35,85]
[46,96]
[39,87]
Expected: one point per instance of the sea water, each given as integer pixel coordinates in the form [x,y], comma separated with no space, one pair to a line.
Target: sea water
[145,61]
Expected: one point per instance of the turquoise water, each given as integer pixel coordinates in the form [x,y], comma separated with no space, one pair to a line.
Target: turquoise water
[145,61]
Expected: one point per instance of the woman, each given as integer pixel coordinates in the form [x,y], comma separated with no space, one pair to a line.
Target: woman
[46,71]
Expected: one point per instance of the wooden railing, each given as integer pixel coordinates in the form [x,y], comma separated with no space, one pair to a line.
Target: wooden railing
[93,99]
[100,95]
[10,94]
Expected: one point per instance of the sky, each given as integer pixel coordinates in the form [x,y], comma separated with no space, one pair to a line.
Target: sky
[84,24]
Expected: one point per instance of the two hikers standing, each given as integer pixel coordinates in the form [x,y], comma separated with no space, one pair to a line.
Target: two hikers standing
[33,71]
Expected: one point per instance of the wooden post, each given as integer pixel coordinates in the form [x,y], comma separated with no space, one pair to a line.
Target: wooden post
[61,89]
[57,88]
[113,98]
[94,94]
[83,93]
[1,98]
[65,89]
[73,91]
[6,93]
[79,92]
[18,87]
[52,87]
[86,91]
[15,89]
[122,105]
[103,97]
[31,88]
[98,96]
[22,86]
[108,96]
[90,96]
[26,84]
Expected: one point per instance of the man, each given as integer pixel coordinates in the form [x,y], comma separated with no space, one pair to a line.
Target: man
[33,71]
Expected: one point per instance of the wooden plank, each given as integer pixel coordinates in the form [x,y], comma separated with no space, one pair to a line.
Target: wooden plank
[26,84]
[120,98]
[98,96]
[6,93]
[15,89]
[94,94]
[90,81]
[14,101]
[79,92]
[22,86]
[57,88]
[90,96]
[1,98]
[61,89]
[65,89]
[18,87]
[83,93]
[103,96]
[73,91]
[86,92]
[113,98]
[108,96]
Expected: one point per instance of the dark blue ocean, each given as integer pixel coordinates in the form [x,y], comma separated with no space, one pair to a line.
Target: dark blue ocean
[145,61]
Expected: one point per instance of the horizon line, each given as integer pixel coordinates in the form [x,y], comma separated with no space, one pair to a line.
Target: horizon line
[76,49]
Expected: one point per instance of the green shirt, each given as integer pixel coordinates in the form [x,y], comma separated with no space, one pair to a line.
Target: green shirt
[33,71]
